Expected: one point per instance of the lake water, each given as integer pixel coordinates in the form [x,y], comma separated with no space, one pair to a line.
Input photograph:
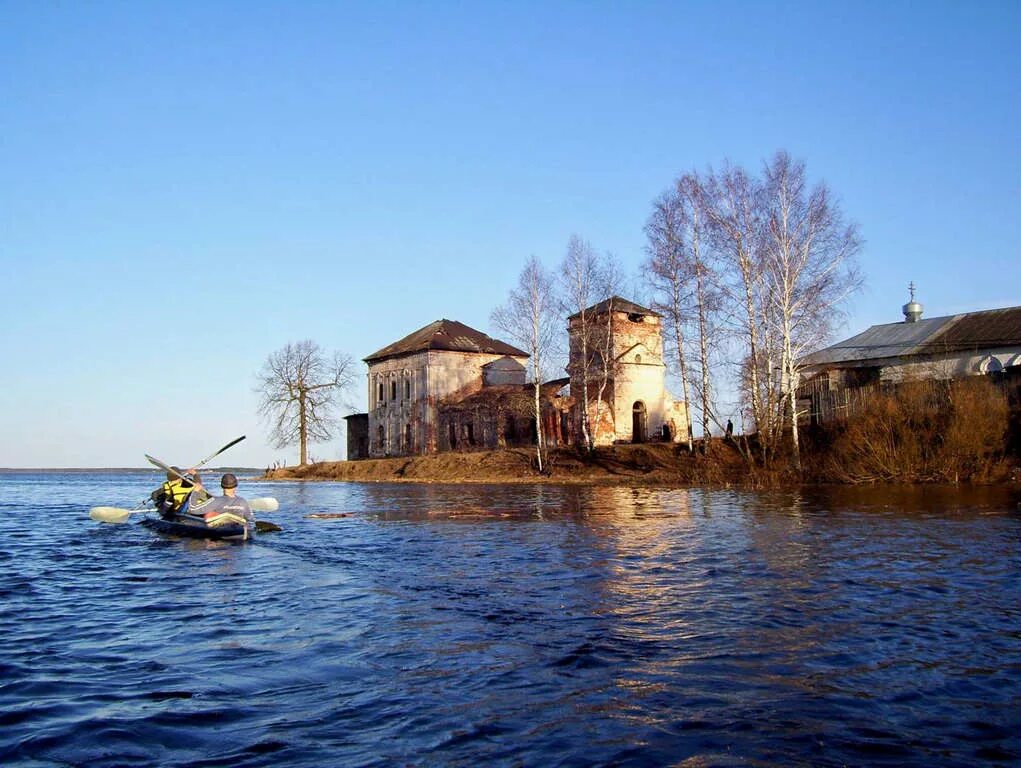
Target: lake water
[523,625]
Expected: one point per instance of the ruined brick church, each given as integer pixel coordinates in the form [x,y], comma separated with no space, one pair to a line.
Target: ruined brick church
[450,387]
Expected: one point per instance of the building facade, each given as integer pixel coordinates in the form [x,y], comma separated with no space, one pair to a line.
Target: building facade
[448,387]
[409,379]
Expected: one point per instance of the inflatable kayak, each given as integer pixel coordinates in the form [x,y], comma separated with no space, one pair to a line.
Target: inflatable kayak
[227,526]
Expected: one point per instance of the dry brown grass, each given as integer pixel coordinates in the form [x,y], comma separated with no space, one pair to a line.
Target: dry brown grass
[921,432]
[649,464]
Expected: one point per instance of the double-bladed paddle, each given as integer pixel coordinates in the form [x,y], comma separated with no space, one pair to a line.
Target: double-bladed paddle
[119,515]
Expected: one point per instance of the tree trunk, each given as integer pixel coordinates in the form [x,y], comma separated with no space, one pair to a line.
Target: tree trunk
[302,429]
[792,397]
[538,423]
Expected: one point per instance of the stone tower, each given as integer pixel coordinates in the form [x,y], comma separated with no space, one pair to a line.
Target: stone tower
[625,377]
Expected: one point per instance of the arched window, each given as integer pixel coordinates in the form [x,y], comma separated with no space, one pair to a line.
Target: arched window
[381,439]
[990,364]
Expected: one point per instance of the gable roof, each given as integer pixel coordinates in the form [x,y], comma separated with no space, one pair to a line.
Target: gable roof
[653,358]
[953,333]
[506,362]
[448,335]
[619,305]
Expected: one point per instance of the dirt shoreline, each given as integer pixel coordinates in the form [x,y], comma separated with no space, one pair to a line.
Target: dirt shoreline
[650,464]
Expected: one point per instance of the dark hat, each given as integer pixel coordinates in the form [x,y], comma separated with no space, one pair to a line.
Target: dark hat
[228,481]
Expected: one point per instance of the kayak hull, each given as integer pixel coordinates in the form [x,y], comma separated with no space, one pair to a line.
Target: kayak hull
[195,528]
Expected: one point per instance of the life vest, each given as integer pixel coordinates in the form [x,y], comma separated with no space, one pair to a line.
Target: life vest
[175,493]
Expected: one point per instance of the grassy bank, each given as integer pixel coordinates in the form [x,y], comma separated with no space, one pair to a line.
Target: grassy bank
[654,464]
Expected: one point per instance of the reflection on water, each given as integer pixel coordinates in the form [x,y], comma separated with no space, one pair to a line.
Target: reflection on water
[531,625]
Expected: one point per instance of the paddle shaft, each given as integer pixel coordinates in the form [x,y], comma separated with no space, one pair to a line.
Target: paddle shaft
[213,456]
[202,463]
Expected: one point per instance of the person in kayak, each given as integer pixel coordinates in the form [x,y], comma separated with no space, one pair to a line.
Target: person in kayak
[171,497]
[181,487]
[227,508]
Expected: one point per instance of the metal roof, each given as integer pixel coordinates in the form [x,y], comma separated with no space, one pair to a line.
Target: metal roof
[448,335]
[980,330]
[970,330]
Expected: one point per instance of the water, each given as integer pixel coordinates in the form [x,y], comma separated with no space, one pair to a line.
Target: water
[533,626]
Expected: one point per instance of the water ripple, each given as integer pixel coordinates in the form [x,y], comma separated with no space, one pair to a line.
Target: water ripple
[547,626]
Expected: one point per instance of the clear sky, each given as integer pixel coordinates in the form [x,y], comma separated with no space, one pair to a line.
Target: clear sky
[187,186]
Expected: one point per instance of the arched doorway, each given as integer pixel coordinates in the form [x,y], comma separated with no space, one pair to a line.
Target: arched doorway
[639,423]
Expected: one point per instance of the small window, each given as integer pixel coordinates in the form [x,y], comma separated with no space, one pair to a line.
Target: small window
[407,389]
[379,395]
[638,358]
[393,390]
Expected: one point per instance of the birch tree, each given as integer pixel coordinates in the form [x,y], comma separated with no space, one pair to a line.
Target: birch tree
[671,275]
[579,276]
[609,278]
[690,195]
[530,317]
[732,203]
[299,388]
[811,268]
[684,277]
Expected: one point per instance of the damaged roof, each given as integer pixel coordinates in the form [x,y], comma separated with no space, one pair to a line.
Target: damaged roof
[954,333]
[619,305]
[448,335]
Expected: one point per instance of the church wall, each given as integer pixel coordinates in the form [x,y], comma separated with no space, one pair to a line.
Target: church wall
[404,393]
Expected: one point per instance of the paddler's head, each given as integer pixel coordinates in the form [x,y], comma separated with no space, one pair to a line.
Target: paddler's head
[176,474]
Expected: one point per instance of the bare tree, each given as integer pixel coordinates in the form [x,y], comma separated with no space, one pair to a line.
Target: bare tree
[530,317]
[671,275]
[733,206]
[686,278]
[579,279]
[810,265]
[299,388]
[588,283]
[610,277]
[707,296]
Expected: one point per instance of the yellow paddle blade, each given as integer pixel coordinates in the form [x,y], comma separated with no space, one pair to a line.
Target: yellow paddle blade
[109,514]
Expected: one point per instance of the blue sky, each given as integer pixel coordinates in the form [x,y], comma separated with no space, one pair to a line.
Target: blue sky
[188,186]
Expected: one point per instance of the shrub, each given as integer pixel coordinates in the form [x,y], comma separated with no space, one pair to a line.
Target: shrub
[926,431]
